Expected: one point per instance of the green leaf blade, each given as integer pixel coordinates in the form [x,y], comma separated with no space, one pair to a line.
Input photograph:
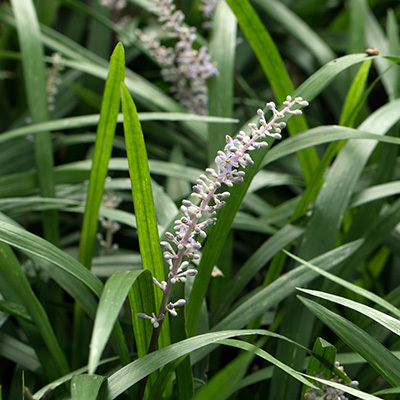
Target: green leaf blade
[378,356]
[114,294]
[274,69]
[35,82]
[102,153]
[142,195]
[86,386]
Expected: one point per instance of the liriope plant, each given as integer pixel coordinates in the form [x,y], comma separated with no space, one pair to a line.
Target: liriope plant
[182,247]
[355,202]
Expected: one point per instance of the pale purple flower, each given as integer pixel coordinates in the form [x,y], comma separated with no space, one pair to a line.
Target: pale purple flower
[186,68]
[208,9]
[182,246]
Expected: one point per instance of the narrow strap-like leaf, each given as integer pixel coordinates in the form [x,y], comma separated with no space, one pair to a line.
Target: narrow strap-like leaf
[381,318]
[138,369]
[377,355]
[322,361]
[141,300]
[35,245]
[105,135]
[19,282]
[86,386]
[220,94]
[114,294]
[35,83]
[149,240]
[348,285]
[274,69]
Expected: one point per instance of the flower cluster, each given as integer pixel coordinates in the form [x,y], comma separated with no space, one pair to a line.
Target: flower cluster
[328,392]
[182,246]
[186,68]
[111,226]
[53,80]
[208,8]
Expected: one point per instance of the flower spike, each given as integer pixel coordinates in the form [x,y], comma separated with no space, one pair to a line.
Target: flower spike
[182,246]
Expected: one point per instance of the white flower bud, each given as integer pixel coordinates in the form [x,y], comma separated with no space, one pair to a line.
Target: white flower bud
[271,105]
[185,264]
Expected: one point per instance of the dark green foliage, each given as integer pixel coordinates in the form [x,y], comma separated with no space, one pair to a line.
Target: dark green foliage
[96,156]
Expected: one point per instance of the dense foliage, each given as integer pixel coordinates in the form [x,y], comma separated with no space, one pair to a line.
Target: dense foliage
[278,283]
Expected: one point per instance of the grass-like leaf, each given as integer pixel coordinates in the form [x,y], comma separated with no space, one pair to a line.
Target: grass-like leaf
[310,88]
[137,370]
[320,135]
[385,320]
[375,193]
[298,28]
[15,309]
[331,205]
[35,245]
[142,299]
[19,352]
[274,69]
[114,294]
[281,288]
[339,184]
[19,282]
[143,197]
[348,285]
[70,123]
[102,153]
[321,362]
[267,357]
[257,261]
[378,356]
[86,386]
[354,95]
[35,83]
[220,94]
[228,378]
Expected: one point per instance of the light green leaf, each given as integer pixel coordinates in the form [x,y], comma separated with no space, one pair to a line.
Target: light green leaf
[93,120]
[86,386]
[321,362]
[39,247]
[114,294]
[354,288]
[257,261]
[102,153]
[375,193]
[385,320]
[56,360]
[324,134]
[137,370]
[274,69]
[143,198]
[297,28]
[35,83]
[378,356]
[221,87]
[280,289]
